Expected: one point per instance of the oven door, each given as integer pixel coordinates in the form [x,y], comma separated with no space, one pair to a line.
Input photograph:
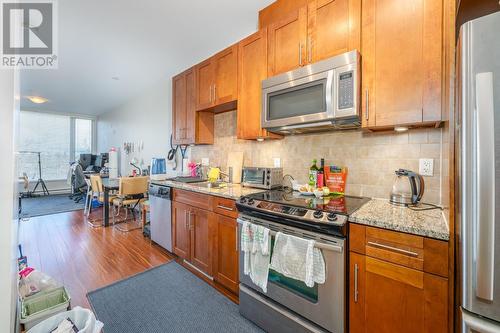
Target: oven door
[322,304]
[298,100]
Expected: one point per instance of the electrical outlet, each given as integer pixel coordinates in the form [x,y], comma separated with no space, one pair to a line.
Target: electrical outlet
[277,162]
[426,167]
[205,161]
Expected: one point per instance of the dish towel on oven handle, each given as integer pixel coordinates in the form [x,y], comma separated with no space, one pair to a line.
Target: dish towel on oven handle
[256,246]
[297,258]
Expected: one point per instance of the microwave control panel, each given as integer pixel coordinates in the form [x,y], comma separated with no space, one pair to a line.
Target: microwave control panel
[346,90]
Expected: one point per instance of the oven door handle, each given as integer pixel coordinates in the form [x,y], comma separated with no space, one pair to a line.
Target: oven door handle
[317,244]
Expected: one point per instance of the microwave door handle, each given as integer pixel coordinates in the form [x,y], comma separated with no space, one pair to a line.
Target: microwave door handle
[485,196]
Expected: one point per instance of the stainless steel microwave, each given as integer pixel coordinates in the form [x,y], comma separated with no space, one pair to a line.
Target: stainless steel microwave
[316,97]
[266,178]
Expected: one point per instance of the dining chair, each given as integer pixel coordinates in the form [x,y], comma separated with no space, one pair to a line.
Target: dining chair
[96,191]
[131,193]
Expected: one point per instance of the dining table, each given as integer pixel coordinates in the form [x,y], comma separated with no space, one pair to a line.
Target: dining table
[108,185]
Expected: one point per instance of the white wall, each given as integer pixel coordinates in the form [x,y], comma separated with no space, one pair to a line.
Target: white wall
[147,118]
[9,112]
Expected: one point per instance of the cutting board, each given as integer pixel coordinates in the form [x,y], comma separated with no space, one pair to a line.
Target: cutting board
[235,160]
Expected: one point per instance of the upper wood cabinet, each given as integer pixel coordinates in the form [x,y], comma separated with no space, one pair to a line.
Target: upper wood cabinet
[320,30]
[287,43]
[334,27]
[205,78]
[402,58]
[252,69]
[217,79]
[189,126]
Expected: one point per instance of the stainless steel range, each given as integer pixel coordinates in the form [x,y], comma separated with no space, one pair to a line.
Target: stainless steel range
[289,305]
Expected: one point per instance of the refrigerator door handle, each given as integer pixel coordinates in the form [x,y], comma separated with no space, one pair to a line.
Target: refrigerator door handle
[485,145]
[473,323]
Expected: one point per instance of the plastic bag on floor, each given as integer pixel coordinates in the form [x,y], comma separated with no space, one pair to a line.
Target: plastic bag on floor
[32,282]
[83,319]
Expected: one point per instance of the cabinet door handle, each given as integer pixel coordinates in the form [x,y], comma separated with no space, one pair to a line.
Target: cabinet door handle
[236,231]
[367,108]
[215,92]
[187,219]
[190,220]
[300,53]
[309,49]
[395,249]
[225,207]
[356,291]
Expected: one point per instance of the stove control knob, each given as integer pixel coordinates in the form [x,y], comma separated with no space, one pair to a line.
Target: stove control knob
[243,200]
[251,201]
[332,217]
[318,214]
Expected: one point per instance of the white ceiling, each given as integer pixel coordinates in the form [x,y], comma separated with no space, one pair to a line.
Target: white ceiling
[142,42]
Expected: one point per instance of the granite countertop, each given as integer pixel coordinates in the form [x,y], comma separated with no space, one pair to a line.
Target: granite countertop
[232,191]
[381,213]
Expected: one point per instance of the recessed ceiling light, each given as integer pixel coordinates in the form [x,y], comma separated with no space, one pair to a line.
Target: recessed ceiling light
[37,99]
[400,128]
[260,139]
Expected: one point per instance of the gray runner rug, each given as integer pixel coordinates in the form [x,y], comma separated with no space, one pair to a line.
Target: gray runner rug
[166,298]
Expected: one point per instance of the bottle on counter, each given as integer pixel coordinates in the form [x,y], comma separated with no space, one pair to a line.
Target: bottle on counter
[313,174]
[320,182]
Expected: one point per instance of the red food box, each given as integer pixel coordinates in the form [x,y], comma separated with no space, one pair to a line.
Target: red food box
[336,178]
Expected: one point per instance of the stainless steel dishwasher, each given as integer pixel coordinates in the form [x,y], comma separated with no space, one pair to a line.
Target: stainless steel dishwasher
[160,210]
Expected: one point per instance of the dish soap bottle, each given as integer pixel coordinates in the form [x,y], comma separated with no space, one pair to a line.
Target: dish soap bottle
[313,174]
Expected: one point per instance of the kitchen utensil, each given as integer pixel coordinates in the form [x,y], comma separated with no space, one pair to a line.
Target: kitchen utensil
[407,189]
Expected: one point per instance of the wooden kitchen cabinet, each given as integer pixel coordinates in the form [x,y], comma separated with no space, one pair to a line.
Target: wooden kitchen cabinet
[385,297]
[334,27]
[192,240]
[217,80]
[181,233]
[402,58]
[226,252]
[397,282]
[252,69]
[200,222]
[287,43]
[205,78]
[320,30]
[188,126]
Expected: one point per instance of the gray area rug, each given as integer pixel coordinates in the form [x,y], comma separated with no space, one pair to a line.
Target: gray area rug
[49,204]
[166,298]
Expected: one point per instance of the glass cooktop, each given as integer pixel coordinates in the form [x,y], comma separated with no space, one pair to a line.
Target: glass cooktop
[298,204]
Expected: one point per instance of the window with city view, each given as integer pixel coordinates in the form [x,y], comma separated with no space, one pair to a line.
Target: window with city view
[58,138]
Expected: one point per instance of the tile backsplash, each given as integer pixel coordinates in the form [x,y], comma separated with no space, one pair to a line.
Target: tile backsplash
[371,158]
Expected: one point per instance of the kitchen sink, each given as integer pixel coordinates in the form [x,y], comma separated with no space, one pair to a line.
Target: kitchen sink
[212,185]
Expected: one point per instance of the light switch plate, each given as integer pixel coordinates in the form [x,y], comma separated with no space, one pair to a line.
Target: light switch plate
[426,166]
[277,162]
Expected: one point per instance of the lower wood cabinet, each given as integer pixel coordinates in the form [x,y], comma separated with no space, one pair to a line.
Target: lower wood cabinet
[191,235]
[226,252]
[389,294]
[181,234]
[207,237]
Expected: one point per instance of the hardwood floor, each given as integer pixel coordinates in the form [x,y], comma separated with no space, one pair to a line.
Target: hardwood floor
[85,258]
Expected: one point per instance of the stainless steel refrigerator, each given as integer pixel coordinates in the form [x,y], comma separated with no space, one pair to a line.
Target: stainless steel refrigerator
[478,162]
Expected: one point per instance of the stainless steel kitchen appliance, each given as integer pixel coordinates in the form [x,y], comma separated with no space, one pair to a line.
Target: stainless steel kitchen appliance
[265,178]
[316,97]
[408,188]
[160,208]
[289,305]
[478,163]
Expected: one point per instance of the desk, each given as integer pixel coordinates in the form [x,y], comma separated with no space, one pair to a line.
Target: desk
[108,184]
